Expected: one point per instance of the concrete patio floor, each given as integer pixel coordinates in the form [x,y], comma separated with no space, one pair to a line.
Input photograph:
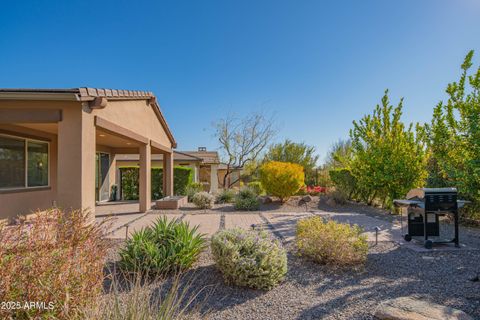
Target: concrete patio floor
[281,224]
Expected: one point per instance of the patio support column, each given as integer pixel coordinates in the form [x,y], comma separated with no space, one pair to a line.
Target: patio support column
[168,174]
[213,178]
[145,183]
[76,161]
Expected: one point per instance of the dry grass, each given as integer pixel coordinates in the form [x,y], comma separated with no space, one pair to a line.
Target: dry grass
[137,298]
[57,257]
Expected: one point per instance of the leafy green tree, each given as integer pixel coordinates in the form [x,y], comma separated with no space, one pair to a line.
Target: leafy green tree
[293,152]
[388,158]
[455,136]
[339,155]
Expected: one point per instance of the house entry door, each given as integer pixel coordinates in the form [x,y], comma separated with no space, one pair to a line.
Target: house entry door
[102,164]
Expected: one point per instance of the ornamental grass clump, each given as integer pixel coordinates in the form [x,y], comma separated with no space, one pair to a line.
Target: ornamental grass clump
[246,200]
[249,258]
[163,248]
[203,200]
[330,242]
[55,259]
[226,196]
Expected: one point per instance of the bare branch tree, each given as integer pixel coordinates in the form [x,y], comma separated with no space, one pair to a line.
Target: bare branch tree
[242,140]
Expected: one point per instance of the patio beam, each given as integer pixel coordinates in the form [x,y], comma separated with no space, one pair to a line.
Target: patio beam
[160,147]
[30,115]
[119,131]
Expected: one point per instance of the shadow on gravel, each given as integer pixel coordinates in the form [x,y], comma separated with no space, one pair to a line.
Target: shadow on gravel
[396,272]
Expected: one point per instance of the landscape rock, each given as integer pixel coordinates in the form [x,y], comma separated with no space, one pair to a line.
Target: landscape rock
[266,199]
[331,202]
[407,308]
[307,198]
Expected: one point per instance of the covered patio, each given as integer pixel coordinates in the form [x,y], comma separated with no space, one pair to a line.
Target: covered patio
[83,130]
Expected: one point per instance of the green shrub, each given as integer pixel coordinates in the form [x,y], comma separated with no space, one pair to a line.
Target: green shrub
[165,247]
[226,196]
[182,177]
[330,242]
[193,188]
[281,179]
[249,258]
[203,200]
[157,183]
[257,187]
[246,199]
[56,257]
[344,181]
[129,183]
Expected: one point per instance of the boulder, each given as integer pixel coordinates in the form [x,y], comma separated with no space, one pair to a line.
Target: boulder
[266,199]
[408,308]
[331,202]
[307,198]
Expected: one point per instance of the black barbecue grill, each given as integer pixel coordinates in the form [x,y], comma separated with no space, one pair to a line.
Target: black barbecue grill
[424,208]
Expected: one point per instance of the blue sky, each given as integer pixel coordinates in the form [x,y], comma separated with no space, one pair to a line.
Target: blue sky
[317,65]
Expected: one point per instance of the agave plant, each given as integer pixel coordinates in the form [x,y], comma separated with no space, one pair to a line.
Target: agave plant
[165,247]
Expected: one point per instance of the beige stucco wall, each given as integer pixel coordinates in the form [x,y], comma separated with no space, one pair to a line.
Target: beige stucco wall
[74,147]
[135,115]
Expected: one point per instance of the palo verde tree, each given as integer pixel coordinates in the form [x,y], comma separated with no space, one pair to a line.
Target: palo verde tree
[388,158]
[455,136]
[293,152]
[242,140]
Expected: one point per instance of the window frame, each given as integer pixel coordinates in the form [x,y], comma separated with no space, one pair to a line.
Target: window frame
[25,185]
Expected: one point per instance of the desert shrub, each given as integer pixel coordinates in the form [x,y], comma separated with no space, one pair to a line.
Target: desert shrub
[203,200]
[164,247]
[281,179]
[193,188]
[257,187]
[246,199]
[249,258]
[338,196]
[330,242]
[55,257]
[226,196]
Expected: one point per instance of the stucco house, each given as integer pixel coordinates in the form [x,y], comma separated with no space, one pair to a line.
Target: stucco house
[58,146]
[206,165]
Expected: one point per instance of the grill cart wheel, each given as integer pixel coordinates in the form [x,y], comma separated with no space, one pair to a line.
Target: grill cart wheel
[429,244]
[407,237]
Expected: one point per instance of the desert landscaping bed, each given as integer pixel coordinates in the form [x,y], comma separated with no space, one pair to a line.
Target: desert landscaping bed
[312,291]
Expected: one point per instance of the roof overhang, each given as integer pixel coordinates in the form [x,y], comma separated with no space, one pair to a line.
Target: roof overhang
[86,95]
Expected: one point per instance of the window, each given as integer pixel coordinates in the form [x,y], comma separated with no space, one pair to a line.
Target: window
[23,163]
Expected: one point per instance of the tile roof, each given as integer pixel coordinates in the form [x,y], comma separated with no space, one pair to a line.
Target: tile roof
[86,94]
[207,156]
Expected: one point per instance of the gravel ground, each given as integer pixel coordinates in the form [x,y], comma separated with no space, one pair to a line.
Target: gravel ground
[312,291]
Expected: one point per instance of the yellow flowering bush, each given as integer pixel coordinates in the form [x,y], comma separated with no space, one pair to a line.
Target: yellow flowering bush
[331,242]
[281,179]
